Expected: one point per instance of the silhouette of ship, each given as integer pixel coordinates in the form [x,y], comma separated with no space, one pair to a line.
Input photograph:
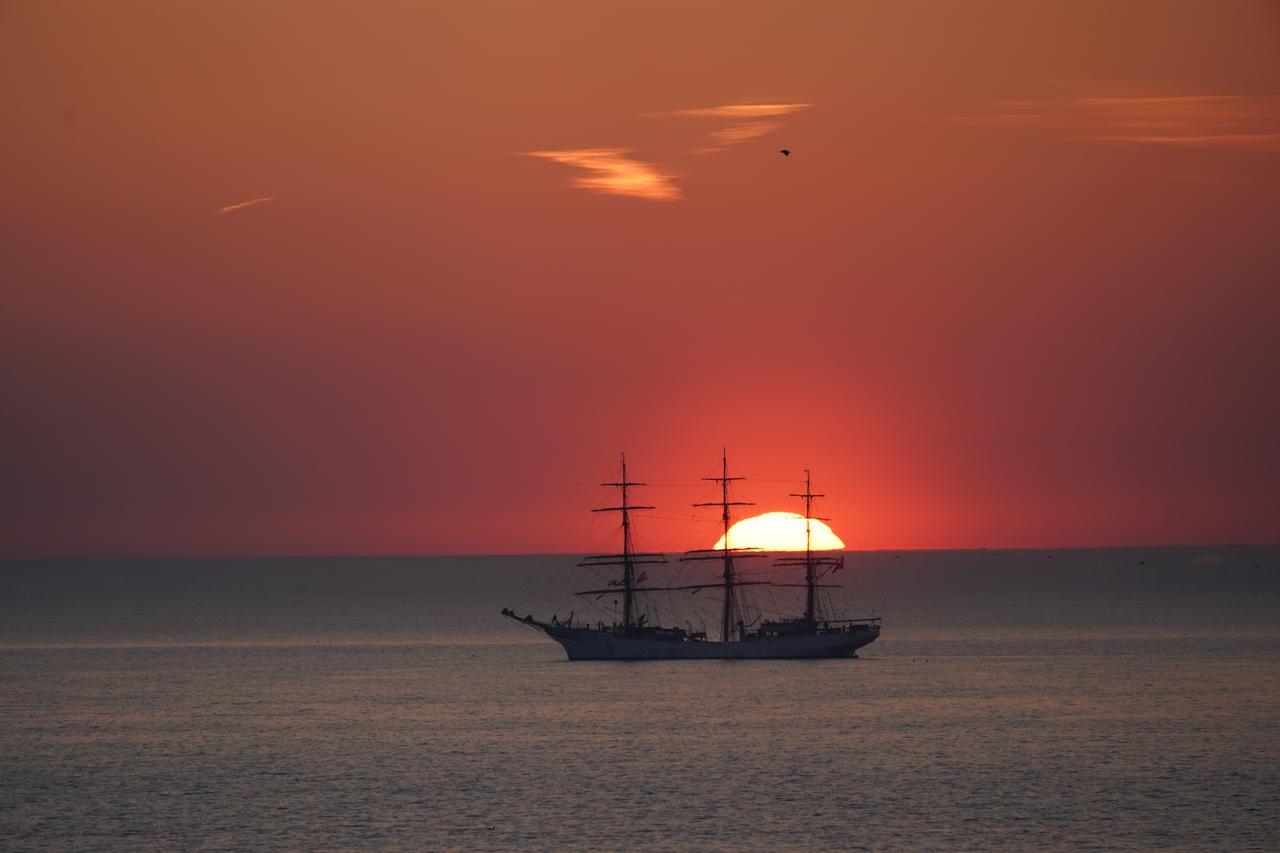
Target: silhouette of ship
[816,633]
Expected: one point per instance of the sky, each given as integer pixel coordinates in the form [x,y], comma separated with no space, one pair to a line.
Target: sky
[400,278]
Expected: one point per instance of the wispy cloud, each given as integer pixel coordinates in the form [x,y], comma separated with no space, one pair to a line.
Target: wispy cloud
[614,171]
[738,111]
[745,121]
[735,133]
[1197,121]
[243,204]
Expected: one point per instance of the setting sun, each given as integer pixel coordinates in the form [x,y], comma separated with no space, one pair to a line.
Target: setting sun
[780,531]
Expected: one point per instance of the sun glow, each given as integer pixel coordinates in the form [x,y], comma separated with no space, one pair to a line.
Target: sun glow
[780,531]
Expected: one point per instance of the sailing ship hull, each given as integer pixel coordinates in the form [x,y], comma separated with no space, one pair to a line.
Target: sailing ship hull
[590,644]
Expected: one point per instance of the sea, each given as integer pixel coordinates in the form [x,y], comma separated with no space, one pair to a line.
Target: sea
[1051,699]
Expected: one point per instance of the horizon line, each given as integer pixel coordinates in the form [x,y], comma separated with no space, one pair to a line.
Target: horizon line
[484,554]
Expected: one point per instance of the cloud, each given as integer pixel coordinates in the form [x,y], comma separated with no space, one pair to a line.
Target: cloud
[737,111]
[745,121]
[1197,121]
[735,133]
[243,204]
[614,171]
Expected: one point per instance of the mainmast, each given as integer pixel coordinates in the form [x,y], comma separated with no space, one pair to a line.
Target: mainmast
[727,622]
[810,576]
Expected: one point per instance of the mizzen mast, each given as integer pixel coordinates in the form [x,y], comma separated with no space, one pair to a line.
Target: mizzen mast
[810,576]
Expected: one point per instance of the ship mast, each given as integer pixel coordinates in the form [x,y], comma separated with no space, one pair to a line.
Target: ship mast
[628,555]
[810,576]
[730,603]
[629,559]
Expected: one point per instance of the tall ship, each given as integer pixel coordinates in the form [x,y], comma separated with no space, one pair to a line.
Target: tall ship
[815,633]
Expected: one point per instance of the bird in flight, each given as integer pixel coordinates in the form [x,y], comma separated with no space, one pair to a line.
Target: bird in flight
[785,152]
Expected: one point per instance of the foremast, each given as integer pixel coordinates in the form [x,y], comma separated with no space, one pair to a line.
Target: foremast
[629,558]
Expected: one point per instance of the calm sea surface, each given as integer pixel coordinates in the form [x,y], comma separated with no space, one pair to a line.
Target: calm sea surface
[1019,699]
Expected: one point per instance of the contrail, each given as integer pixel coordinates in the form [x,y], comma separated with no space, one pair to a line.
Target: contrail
[250,203]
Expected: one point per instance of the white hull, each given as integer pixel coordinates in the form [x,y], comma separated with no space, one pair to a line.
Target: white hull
[590,644]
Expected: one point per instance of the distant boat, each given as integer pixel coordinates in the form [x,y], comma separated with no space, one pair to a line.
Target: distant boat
[814,634]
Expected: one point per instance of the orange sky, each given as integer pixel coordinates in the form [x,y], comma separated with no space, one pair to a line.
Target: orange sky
[323,278]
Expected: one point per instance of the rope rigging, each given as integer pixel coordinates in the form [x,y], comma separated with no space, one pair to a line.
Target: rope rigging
[638,588]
